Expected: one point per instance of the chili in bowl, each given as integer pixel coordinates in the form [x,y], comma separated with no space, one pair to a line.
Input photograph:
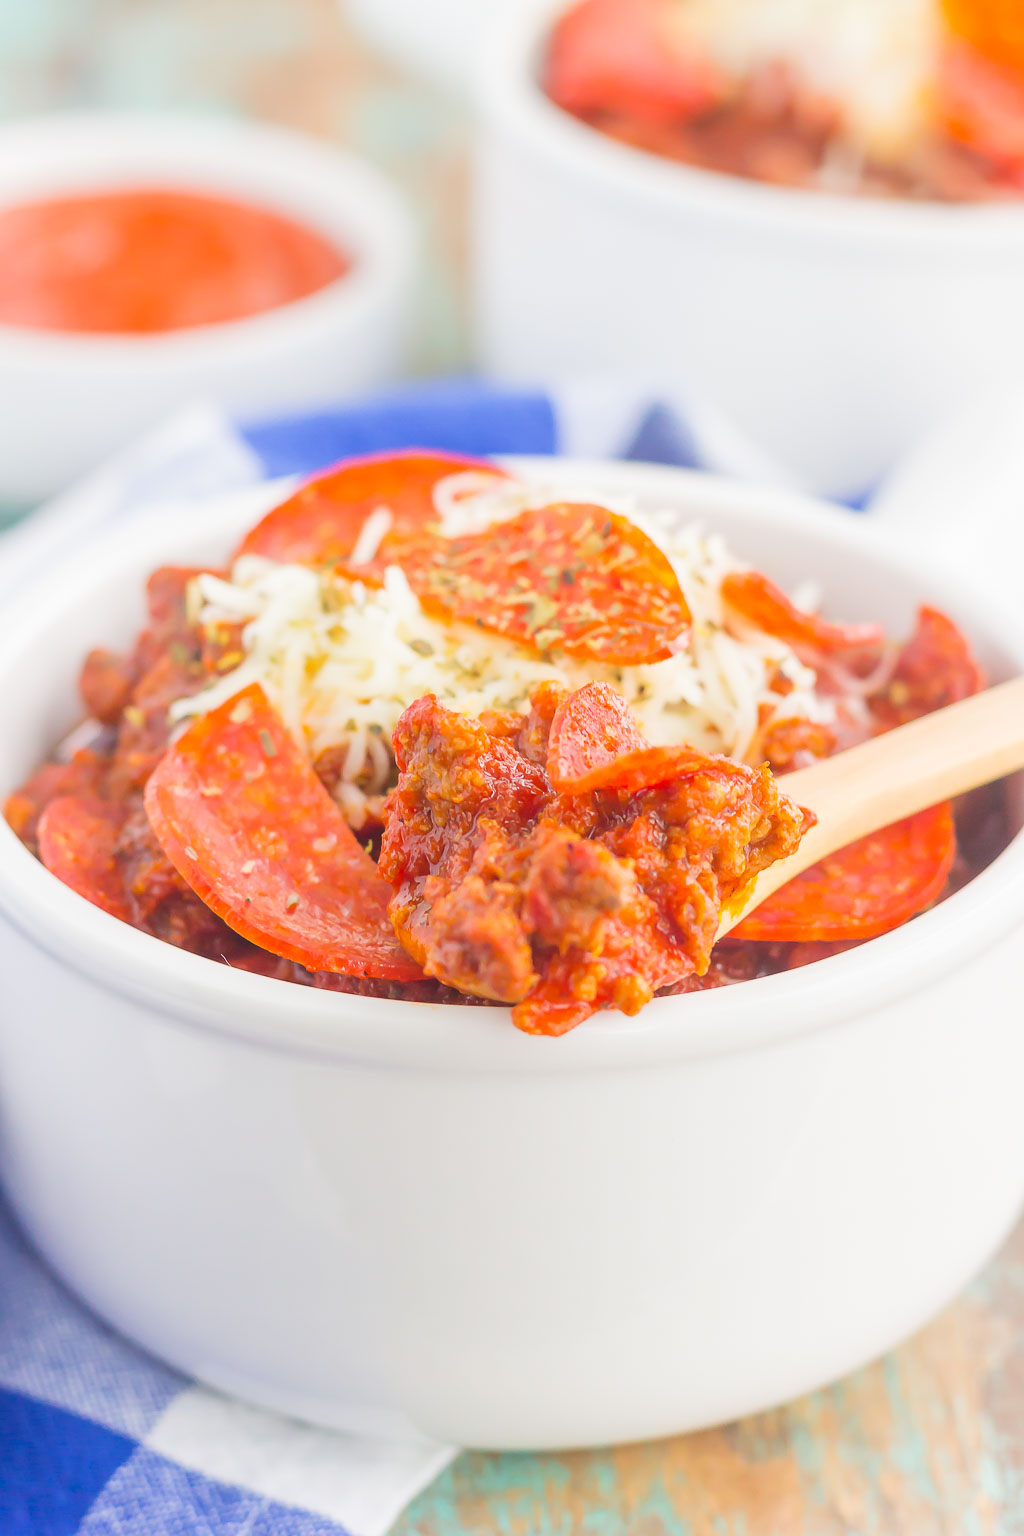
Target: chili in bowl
[902,98]
[396,746]
[368,1128]
[818,332]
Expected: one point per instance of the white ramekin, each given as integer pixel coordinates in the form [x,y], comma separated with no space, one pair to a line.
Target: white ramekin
[375,1213]
[66,401]
[827,331]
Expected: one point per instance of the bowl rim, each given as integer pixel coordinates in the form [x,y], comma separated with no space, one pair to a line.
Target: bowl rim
[357,208]
[510,99]
[284,1016]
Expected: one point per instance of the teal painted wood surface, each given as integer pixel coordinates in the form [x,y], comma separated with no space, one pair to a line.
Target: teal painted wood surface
[930,1441]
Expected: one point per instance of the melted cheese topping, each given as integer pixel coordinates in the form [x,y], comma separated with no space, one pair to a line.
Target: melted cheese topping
[341,661]
[877,59]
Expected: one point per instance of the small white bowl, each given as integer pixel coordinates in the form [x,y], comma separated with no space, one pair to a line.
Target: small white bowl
[827,331]
[372,1213]
[66,400]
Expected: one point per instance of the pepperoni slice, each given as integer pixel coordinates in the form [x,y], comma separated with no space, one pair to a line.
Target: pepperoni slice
[77,842]
[167,599]
[767,607]
[322,522]
[573,578]
[595,744]
[982,103]
[577,578]
[662,765]
[82,778]
[936,667]
[592,729]
[993,28]
[618,56]
[864,890]
[244,819]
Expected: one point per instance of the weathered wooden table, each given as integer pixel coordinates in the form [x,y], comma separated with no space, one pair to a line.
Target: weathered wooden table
[930,1441]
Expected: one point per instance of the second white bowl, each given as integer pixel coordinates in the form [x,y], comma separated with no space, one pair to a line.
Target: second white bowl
[827,331]
[66,401]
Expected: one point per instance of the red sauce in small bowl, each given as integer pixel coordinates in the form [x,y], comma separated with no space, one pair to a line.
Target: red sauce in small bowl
[140,261]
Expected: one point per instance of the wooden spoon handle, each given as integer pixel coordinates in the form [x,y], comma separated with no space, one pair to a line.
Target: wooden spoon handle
[895,775]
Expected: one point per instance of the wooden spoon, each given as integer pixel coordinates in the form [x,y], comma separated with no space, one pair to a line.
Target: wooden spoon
[895,775]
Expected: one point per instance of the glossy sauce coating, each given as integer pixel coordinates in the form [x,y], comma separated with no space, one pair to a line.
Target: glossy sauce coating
[562,904]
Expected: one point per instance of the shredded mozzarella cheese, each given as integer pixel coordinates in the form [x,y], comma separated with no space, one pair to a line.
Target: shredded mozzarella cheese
[341,660]
[370,536]
[877,59]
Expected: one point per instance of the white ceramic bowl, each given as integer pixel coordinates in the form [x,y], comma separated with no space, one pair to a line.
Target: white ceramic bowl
[369,1213]
[827,331]
[66,401]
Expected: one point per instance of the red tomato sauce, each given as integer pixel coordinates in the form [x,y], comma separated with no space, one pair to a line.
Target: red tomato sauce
[149,260]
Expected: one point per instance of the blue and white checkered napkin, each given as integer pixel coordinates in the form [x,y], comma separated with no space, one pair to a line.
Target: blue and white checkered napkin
[95,1437]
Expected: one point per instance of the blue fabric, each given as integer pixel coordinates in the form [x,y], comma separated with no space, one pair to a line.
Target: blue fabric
[149,1494]
[458,416]
[53,1465]
[65,1378]
[663,438]
[54,1351]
